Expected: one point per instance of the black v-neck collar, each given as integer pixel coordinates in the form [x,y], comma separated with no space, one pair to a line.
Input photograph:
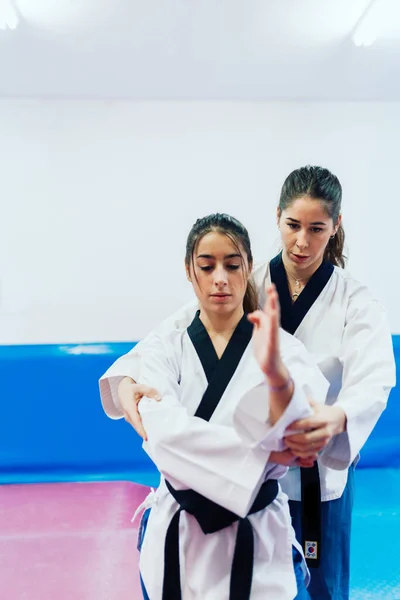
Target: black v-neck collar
[203,345]
[218,372]
[292,314]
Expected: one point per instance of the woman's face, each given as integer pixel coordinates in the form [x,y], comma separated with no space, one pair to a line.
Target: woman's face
[305,231]
[219,273]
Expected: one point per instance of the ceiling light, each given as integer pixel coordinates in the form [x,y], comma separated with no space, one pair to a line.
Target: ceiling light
[366,30]
[9,17]
[365,37]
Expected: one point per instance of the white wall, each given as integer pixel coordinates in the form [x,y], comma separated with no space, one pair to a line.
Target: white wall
[97,199]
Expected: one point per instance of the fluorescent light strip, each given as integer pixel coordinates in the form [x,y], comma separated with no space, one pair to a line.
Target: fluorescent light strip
[9,17]
[368,27]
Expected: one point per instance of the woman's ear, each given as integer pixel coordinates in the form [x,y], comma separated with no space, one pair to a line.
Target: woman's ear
[338,222]
[278,215]
[187,272]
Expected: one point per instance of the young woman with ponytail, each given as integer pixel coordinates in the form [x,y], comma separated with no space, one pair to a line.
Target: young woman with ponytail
[347,332]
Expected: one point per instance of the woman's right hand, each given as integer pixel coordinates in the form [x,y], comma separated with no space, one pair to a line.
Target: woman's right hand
[288,459]
[130,393]
[266,336]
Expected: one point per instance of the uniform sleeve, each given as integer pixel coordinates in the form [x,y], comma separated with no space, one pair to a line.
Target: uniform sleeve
[260,274]
[368,376]
[209,458]
[251,416]
[129,364]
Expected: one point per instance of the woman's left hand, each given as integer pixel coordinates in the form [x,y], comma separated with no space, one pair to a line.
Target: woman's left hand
[317,430]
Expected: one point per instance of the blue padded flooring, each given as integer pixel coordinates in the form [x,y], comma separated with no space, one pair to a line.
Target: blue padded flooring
[375,566]
[375,551]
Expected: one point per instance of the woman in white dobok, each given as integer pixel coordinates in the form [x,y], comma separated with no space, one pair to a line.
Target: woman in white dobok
[219,526]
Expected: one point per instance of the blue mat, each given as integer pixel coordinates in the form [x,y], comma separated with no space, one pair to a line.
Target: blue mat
[375,557]
[52,426]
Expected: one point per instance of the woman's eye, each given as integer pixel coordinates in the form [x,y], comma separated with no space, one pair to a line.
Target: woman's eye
[292,225]
[316,229]
[233,267]
[206,268]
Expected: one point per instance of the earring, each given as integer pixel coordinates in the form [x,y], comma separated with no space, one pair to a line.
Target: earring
[332,236]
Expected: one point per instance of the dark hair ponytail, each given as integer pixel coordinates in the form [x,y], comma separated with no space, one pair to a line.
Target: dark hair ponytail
[250,300]
[334,250]
[238,234]
[319,184]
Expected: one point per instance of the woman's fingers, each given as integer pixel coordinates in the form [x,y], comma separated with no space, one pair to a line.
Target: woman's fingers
[285,457]
[309,456]
[130,405]
[271,304]
[312,441]
[255,318]
[306,449]
[306,463]
[132,416]
[272,311]
[140,390]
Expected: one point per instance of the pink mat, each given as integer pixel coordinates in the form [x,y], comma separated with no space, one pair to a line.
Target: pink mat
[69,541]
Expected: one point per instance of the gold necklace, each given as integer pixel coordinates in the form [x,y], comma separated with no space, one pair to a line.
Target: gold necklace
[298,288]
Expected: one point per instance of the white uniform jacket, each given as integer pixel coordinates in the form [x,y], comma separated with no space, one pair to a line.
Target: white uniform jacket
[225,460]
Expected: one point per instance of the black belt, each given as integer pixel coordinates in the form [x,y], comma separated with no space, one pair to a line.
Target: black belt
[311,521]
[212,518]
